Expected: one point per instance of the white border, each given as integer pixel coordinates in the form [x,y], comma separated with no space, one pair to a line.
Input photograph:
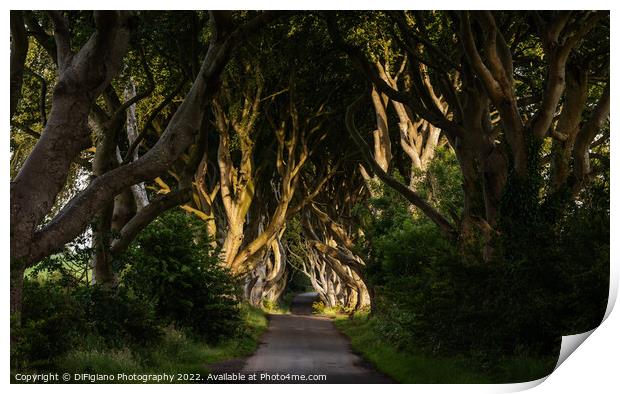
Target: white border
[593,368]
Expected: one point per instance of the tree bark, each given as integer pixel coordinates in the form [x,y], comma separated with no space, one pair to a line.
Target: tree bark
[81,80]
[19,50]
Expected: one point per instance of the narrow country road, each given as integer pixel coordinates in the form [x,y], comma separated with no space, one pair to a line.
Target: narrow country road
[299,345]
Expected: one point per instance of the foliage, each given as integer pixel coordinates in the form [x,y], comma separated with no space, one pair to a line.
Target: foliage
[274,307]
[172,265]
[70,268]
[175,351]
[432,296]
[57,318]
[169,277]
[50,322]
[319,308]
[414,366]
[118,315]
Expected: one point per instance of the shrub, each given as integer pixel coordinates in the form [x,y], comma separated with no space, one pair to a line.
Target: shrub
[52,321]
[430,294]
[118,316]
[57,319]
[172,264]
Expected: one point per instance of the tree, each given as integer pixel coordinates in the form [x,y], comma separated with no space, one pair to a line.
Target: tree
[82,79]
[467,62]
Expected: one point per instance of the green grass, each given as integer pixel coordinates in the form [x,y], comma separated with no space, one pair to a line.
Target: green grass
[275,308]
[175,353]
[281,307]
[416,367]
[319,308]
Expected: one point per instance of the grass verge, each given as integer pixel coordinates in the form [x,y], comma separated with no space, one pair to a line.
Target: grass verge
[413,367]
[320,309]
[175,353]
[281,307]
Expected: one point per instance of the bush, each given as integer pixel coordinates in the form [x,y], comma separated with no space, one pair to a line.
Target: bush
[170,276]
[52,321]
[57,319]
[549,276]
[118,316]
[319,308]
[172,264]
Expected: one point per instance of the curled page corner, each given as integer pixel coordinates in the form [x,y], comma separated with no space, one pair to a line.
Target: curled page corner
[516,387]
[570,343]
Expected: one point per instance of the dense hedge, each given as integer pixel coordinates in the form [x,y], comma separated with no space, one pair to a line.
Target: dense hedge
[168,277]
[549,275]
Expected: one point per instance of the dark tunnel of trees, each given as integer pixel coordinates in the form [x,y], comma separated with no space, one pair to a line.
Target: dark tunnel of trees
[446,174]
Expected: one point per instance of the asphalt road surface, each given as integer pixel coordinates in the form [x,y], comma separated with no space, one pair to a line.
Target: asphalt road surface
[301,348]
